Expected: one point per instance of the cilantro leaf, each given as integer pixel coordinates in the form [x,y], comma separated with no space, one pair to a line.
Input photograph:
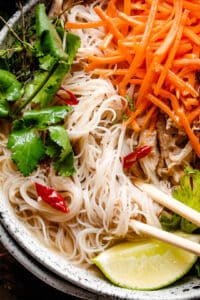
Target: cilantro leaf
[59,135]
[176,222]
[10,87]
[64,162]
[39,78]
[46,93]
[72,45]
[187,226]
[27,149]
[48,40]
[4,108]
[197,268]
[171,222]
[46,116]
[51,148]
[65,166]
[188,191]
[47,62]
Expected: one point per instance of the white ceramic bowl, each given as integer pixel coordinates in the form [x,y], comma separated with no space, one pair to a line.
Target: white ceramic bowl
[187,288]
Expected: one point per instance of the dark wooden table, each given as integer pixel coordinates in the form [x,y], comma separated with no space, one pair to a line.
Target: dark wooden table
[16,283]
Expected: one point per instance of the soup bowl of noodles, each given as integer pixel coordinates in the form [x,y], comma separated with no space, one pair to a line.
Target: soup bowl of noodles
[127,96]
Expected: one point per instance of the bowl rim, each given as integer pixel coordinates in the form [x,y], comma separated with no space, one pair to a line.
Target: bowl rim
[58,264]
[39,270]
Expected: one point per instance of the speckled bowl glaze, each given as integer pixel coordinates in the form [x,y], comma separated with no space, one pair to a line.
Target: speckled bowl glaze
[187,288]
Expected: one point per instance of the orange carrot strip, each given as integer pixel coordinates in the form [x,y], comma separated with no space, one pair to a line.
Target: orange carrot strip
[130,20]
[194,114]
[153,121]
[91,66]
[70,25]
[149,57]
[111,9]
[191,35]
[148,116]
[196,28]
[192,137]
[156,101]
[193,7]
[183,49]
[106,41]
[161,52]
[167,95]
[189,103]
[106,59]
[159,33]
[138,6]
[184,87]
[127,7]
[110,72]
[109,22]
[139,57]
[136,81]
[171,56]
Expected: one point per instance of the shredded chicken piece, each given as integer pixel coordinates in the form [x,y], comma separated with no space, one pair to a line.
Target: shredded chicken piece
[56,8]
[175,152]
[149,163]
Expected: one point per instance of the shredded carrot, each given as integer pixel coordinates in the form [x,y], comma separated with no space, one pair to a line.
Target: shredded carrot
[83,25]
[139,57]
[194,114]
[153,121]
[164,107]
[148,117]
[191,35]
[183,86]
[192,137]
[154,47]
[171,56]
[192,63]
[109,22]
[106,41]
[106,60]
[111,9]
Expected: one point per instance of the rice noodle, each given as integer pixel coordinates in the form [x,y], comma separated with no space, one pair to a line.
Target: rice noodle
[101,197]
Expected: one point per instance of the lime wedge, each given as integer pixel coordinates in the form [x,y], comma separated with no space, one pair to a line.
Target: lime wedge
[145,264]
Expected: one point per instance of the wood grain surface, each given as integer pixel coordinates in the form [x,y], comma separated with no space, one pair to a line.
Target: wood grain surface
[16,283]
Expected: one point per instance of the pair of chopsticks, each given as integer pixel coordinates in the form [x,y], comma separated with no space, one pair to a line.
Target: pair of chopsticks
[175,206]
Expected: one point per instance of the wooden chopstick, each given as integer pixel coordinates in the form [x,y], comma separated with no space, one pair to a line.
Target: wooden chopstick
[171,203]
[165,236]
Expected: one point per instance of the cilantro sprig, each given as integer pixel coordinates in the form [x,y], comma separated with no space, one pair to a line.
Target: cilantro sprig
[39,133]
[187,192]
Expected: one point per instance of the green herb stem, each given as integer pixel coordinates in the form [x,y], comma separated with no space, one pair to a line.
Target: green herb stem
[29,99]
[25,44]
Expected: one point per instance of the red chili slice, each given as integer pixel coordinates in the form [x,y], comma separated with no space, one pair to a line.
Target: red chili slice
[134,156]
[69,98]
[51,197]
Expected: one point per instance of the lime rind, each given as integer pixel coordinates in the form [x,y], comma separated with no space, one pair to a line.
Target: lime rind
[149,265]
